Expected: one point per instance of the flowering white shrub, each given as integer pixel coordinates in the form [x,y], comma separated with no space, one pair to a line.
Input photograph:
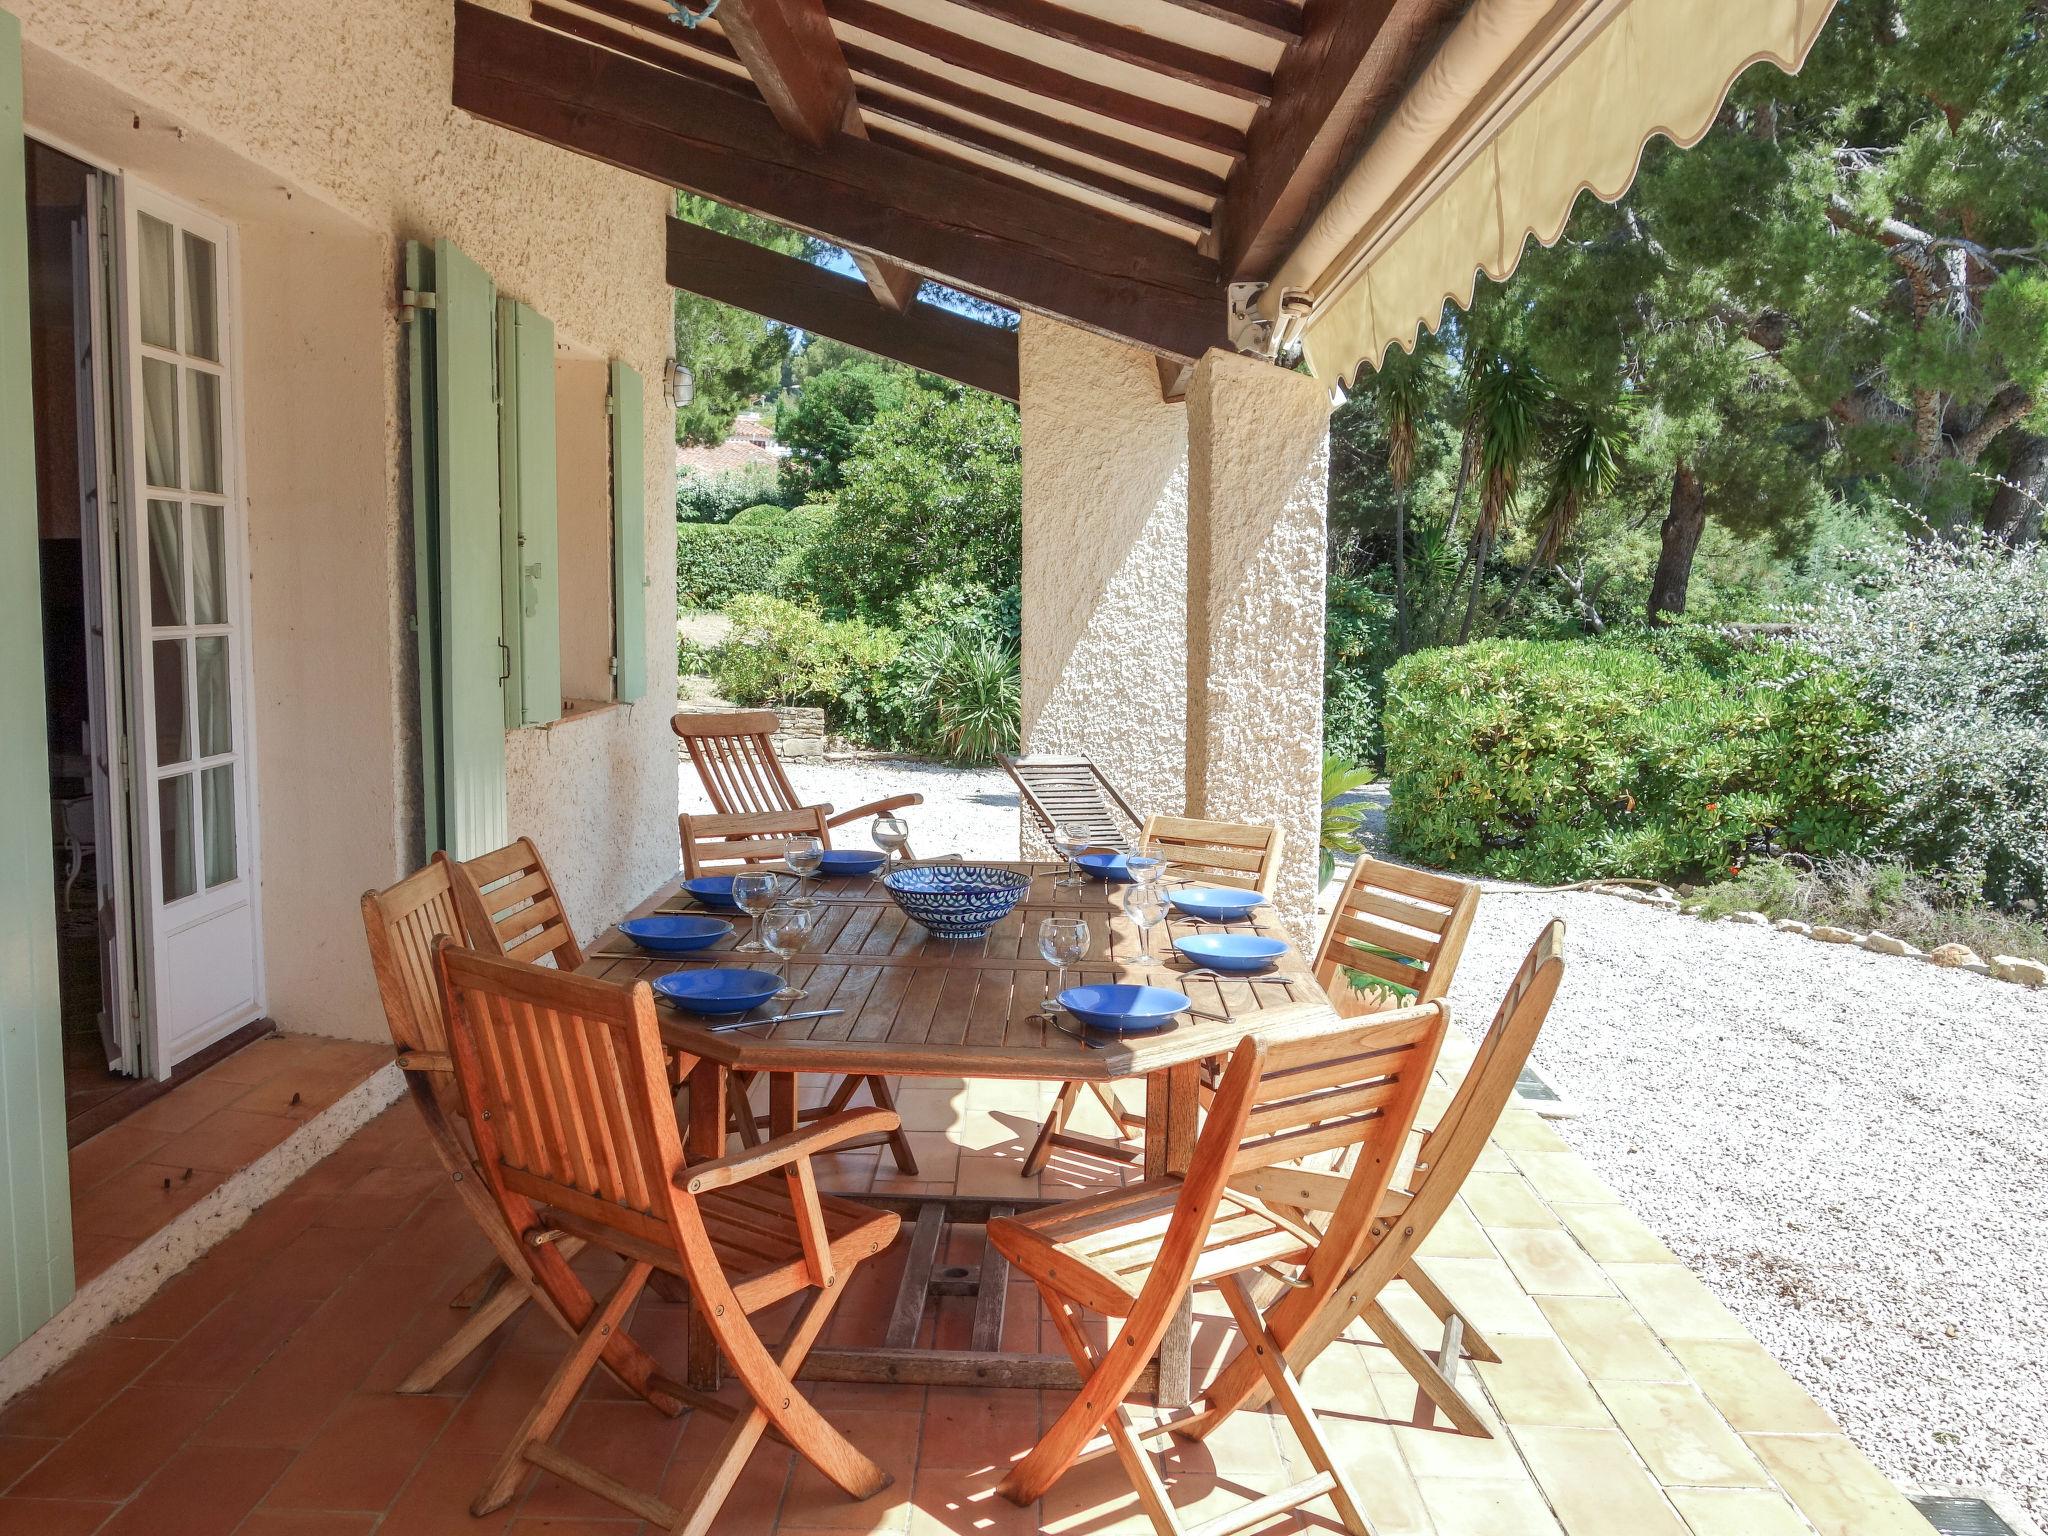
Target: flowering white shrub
[1950,643]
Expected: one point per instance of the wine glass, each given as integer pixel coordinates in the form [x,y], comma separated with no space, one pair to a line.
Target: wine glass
[1063,941]
[753,892]
[891,834]
[785,927]
[805,857]
[1148,865]
[1069,840]
[1145,903]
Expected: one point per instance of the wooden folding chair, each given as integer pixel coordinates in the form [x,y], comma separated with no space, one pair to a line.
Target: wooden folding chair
[1395,937]
[566,1086]
[402,925]
[714,845]
[1406,1218]
[1134,1253]
[1072,792]
[1219,852]
[734,754]
[510,907]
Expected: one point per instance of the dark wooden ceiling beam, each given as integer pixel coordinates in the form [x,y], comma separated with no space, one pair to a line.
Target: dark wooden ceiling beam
[1023,246]
[1277,19]
[1037,79]
[1127,45]
[638,43]
[812,299]
[1355,59]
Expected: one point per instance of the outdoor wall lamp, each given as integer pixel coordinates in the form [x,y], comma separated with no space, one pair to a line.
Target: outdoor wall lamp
[681,13]
[678,384]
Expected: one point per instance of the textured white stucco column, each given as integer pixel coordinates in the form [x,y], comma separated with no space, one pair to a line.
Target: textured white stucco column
[1105,562]
[1258,474]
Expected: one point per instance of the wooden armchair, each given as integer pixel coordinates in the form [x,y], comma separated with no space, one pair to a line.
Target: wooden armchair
[714,845]
[734,755]
[566,1086]
[402,925]
[1134,1253]
[1401,930]
[1072,791]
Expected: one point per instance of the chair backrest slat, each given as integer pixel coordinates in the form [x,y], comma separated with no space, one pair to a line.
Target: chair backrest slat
[726,844]
[510,907]
[1403,927]
[1220,852]
[1072,791]
[734,755]
[402,924]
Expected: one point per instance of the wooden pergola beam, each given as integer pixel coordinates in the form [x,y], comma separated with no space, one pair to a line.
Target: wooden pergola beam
[797,293]
[1329,93]
[1018,244]
[1269,18]
[1160,55]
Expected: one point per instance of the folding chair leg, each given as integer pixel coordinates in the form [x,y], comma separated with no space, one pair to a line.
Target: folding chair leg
[1434,1380]
[1055,1122]
[1123,1433]
[483,1287]
[839,1461]
[1117,1115]
[740,1109]
[546,1414]
[899,1141]
[1473,1343]
[483,1321]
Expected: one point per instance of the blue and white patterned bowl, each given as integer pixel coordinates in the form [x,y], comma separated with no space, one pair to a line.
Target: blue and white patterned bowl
[956,901]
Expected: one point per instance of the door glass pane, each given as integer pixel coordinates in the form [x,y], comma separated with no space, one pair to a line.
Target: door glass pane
[166,564]
[173,727]
[204,425]
[159,422]
[209,566]
[174,815]
[202,300]
[217,792]
[158,283]
[210,673]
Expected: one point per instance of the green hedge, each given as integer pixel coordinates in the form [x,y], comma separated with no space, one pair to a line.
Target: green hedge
[759,551]
[1657,758]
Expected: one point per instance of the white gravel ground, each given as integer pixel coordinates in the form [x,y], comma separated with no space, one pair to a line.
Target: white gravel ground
[1846,1147]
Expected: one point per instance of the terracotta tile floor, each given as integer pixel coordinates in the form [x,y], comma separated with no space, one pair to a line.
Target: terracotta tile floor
[254,1396]
[135,1177]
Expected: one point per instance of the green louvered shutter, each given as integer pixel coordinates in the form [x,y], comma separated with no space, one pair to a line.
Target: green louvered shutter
[457,549]
[629,533]
[526,473]
[35,1184]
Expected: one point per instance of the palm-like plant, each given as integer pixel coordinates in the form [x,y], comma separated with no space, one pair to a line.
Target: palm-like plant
[1505,402]
[1401,388]
[1583,466]
[1341,822]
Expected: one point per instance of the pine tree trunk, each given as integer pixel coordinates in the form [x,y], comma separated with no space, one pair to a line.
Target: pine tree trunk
[2015,511]
[1683,524]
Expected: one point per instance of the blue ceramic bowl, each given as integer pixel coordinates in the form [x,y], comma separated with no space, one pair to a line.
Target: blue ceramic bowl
[674,933]
[717,991]
[956,901]
[850,861]
[1218,904]
[1231,951]
[713,891]
[1114,868]
[1123,1009]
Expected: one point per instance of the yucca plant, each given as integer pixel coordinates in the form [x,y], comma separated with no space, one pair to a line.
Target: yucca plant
[1341,822]
[1583,467]
[970,695]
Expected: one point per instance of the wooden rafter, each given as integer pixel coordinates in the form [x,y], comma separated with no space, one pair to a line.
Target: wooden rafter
[640,43]
[1019,244]
[1160,55]
[1028,75]
[809,297]
[1329,93]
[1269,18]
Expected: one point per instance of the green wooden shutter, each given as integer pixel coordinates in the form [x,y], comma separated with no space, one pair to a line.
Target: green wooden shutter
[35,1184]
[526,474]
[457,548]
[629,534]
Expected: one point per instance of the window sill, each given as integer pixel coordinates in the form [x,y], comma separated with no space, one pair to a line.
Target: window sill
[580,709]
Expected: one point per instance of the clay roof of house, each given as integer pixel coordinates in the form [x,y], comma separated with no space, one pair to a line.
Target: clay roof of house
[751,441]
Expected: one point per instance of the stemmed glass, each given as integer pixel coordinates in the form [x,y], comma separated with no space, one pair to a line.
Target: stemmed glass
[1068,841]
[1063,941]
[754,892]
[805,857]
[1148,865]
[1145,903]
[786,926]
[891,834]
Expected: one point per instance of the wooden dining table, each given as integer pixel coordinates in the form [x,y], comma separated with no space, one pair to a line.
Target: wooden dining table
[914,1006]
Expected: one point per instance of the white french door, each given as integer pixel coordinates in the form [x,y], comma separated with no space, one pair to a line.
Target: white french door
[185,596]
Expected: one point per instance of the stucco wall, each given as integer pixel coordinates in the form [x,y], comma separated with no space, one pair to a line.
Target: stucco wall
[1258,472]
[325,134]
[1105,561]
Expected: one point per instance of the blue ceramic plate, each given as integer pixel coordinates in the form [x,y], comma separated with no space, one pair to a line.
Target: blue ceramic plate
[713,891]
[1123,1009]
[956,901]
[674,933]
[1114,868]
[1219,904]
[850,861]
[717,991]
[1231,951]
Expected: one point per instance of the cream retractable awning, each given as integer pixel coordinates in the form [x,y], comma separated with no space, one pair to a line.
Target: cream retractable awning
[1528,103]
